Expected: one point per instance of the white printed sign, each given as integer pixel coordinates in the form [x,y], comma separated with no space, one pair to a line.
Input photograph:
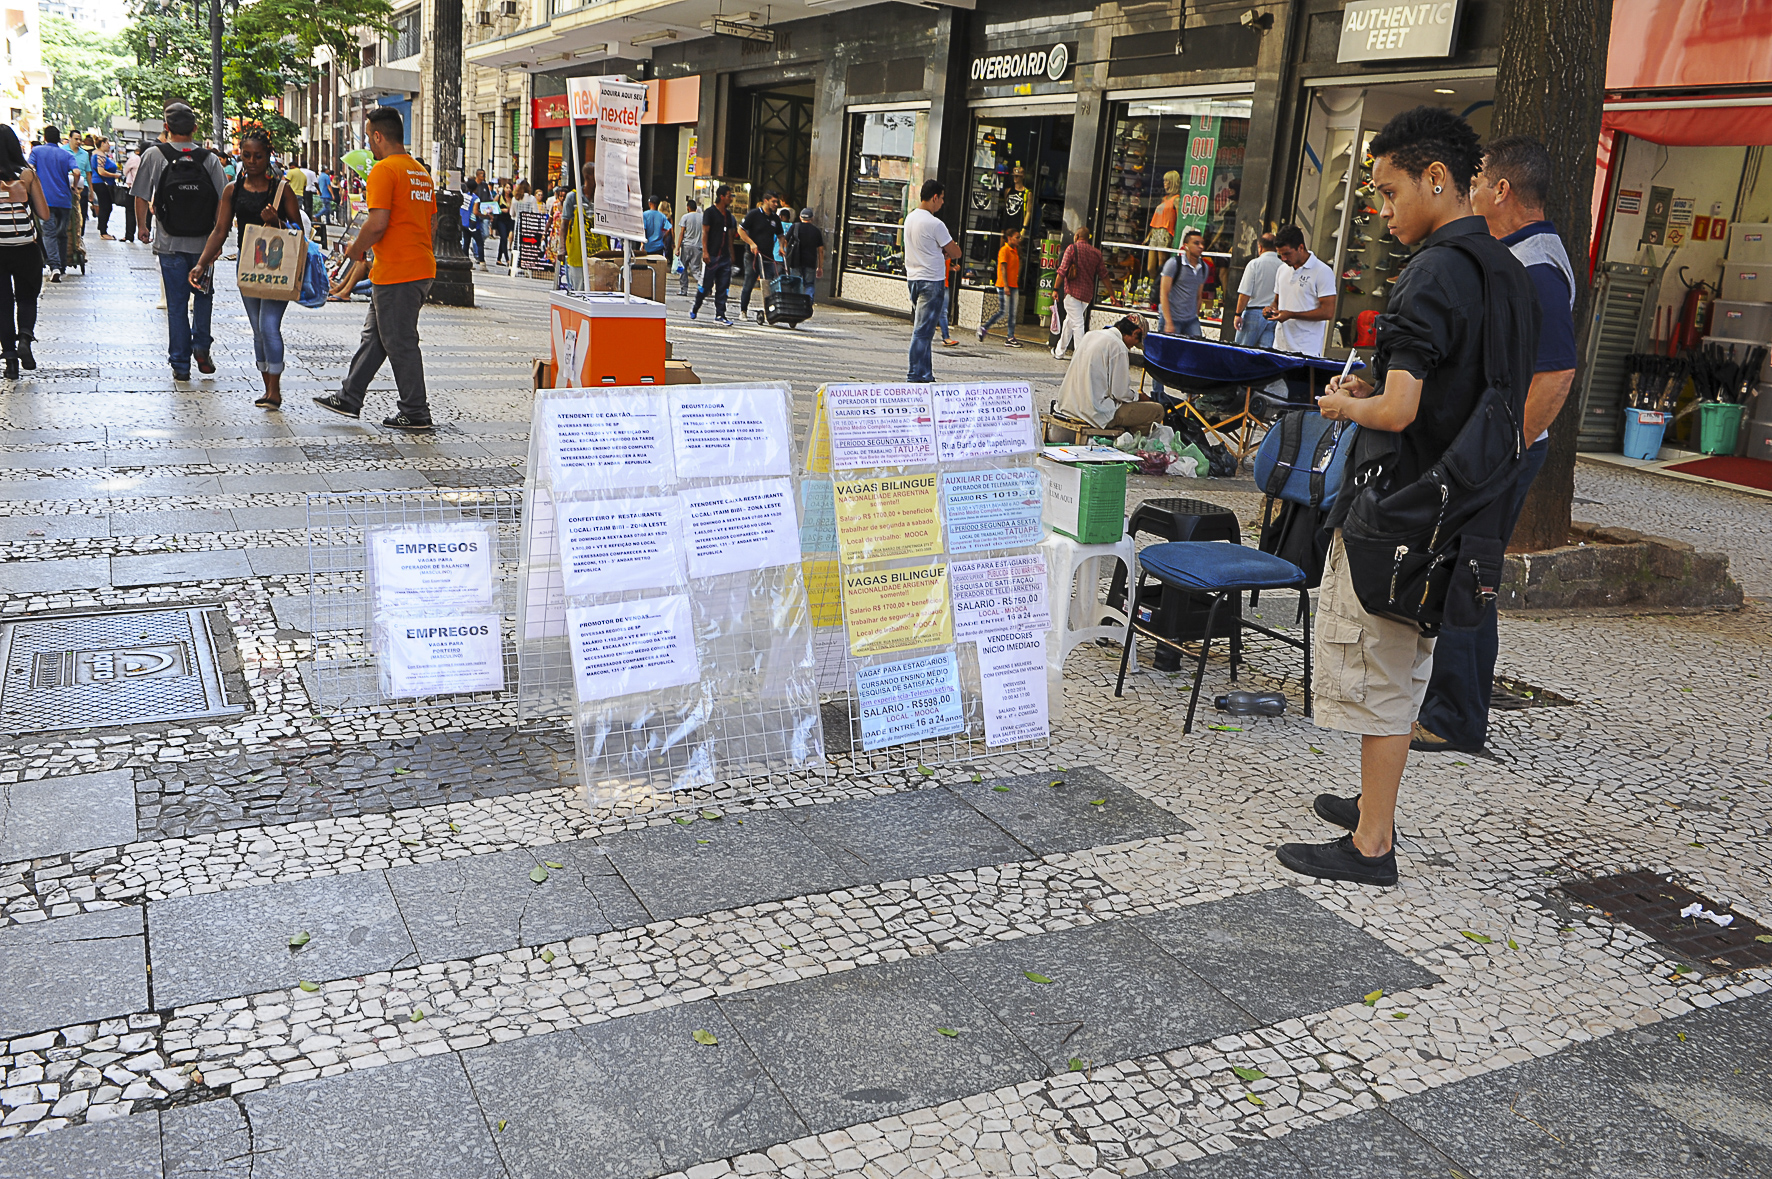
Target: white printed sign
[620,544]
[1012,679]
[617,203]
[880,425]
[738,527]
[999,595]
[629,647]
[984,421]
[442,655]
[728,431]
[991,509]
[438,566]
[607,441]
[909,700]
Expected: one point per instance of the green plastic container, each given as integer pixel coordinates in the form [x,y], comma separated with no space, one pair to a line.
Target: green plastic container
[1719,424]
[1084,501]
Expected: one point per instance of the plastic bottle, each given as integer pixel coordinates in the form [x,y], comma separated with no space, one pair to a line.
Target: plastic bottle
[1252,703]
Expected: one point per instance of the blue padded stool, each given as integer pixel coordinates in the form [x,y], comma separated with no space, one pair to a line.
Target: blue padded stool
[1223,572]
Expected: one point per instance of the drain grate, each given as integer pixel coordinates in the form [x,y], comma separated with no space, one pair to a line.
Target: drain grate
[1650,902]
[124,667]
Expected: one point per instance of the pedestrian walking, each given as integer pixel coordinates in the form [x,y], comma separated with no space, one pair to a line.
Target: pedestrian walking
[689,248]
[473,225]
[53,164]
[804,252]
[522,201]
[571,249]
[255,197]
[105,175]
[323,189]
[716,269]
[401,201]
[1079,273]
[182,183]
[656,221]
[1441,357]
[131,166]
[1255,294]
[83,179]
[21,267]
[928,246]
[759,231]
[1509,196]
[503,223]
[1008,287]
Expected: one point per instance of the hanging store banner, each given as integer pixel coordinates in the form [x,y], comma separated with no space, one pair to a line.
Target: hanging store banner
[618,202]
[1195,208]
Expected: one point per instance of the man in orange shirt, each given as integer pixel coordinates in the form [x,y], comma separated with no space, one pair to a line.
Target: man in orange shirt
[398,228]
[1008,286]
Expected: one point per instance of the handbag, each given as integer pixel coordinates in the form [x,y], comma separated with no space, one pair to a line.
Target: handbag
[272,261]
[314,279]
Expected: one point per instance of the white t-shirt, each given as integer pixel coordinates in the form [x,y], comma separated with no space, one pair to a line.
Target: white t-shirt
[1259,277]
[924,236]
[1299,289]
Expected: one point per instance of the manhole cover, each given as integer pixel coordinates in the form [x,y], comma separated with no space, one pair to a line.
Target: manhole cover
[74,671]
[1651,902]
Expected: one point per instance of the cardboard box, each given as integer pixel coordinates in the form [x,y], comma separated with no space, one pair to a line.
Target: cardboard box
[678,372]
[1750,243]
[649,270]
[541,373]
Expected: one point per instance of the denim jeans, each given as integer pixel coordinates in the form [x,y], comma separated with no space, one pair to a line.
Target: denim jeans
[266,318]
[55,235]
[1255,330]
[716,280]
[926,301]
[1187,327]
[1463,677]
[1005,311]
[808,281]
[474,240]
[187,312]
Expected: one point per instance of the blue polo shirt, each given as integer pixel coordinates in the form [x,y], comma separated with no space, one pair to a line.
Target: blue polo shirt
[52,163]
[1540,250]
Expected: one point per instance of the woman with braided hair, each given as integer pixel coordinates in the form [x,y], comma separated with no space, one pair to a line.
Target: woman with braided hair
[255,196]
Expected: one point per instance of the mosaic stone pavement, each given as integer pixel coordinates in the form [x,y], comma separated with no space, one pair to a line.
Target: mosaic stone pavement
[1077,962]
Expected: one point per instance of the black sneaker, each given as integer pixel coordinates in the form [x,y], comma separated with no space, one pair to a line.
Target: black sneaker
[402,422]
[1343,812]
[336,404]
[1339,861]
[204,364]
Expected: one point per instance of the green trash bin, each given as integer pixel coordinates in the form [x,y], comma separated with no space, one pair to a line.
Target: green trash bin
[1719,424]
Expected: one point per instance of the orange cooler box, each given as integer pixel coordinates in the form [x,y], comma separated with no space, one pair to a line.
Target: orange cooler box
[605,339]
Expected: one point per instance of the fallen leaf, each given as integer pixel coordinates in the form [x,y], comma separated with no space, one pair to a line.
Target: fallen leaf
[1681,1036]
[978,777]
[1461,763]
[418,1013]
[926,771]
[1057,782]
[1078,1064]
[1374,997]
[1313,749]
[1482,939]
[1512,945]
[1764,939]
[1252,1099]
[701,841]
[685,820]
[547,955]
[711,816]
[402,771]
[454,828]
[310,987]
[1248,1074]
[1098,802]
[1399,1015]
[1226,728]
[1695,843]
[538,874]
[410,842]
[950,1033]
[1038,978]
[1001,789]
[703,1036]
[552,864]
[501,1125]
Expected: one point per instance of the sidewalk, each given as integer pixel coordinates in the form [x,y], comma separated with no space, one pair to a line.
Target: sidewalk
[1205,1012]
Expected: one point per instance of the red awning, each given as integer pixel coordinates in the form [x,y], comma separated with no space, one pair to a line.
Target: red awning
[1744,122]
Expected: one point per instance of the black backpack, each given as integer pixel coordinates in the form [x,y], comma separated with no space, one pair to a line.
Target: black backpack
[185,197]
[1431,552]
[1304,492]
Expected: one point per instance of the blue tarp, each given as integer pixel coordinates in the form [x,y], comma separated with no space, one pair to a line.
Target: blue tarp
[1189,362]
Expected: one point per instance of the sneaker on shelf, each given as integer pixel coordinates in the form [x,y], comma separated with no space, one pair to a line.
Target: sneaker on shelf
[1353,290]
[402,421]
[1354,271]
[333,403]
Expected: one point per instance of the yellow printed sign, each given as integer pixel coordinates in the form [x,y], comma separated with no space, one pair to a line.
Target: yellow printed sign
[823,591]
[882,519]
[893,610]
[818,441]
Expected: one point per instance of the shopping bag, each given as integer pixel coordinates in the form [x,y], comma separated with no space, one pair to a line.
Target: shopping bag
[313,279]
[1054,326]
[272,261]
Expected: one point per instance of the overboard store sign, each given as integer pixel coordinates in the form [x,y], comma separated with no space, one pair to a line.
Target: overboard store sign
[1050,64]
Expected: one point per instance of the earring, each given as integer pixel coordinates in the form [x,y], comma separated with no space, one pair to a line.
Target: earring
[1436,190]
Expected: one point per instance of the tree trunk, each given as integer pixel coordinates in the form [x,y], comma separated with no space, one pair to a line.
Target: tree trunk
[446,32]
[1550,85]
[218,121]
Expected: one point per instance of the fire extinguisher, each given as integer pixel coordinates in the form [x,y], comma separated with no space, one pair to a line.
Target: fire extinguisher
[1694,311]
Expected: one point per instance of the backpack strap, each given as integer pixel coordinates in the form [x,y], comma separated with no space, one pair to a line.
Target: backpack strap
[1494,364]
[1291,428]
[1320,456]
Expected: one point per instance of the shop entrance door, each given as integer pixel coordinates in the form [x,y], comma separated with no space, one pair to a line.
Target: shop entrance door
[776,138]
[1016,178]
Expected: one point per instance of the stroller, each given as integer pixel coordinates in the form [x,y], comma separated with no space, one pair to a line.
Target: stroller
[787,301]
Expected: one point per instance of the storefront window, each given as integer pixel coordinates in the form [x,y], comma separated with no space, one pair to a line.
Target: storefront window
[1016,181]
[1172,165]
[886,153]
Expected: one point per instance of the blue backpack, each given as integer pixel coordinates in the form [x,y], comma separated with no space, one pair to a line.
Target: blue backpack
[1301,465]
[313,279]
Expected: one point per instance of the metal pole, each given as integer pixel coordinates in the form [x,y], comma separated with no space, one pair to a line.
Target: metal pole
[217,113]
[584,242]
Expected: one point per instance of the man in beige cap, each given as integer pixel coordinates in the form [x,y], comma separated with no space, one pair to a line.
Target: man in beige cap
[1098,387]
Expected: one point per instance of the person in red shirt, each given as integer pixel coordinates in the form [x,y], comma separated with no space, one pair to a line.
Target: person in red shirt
[401,202]
[1079,272]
